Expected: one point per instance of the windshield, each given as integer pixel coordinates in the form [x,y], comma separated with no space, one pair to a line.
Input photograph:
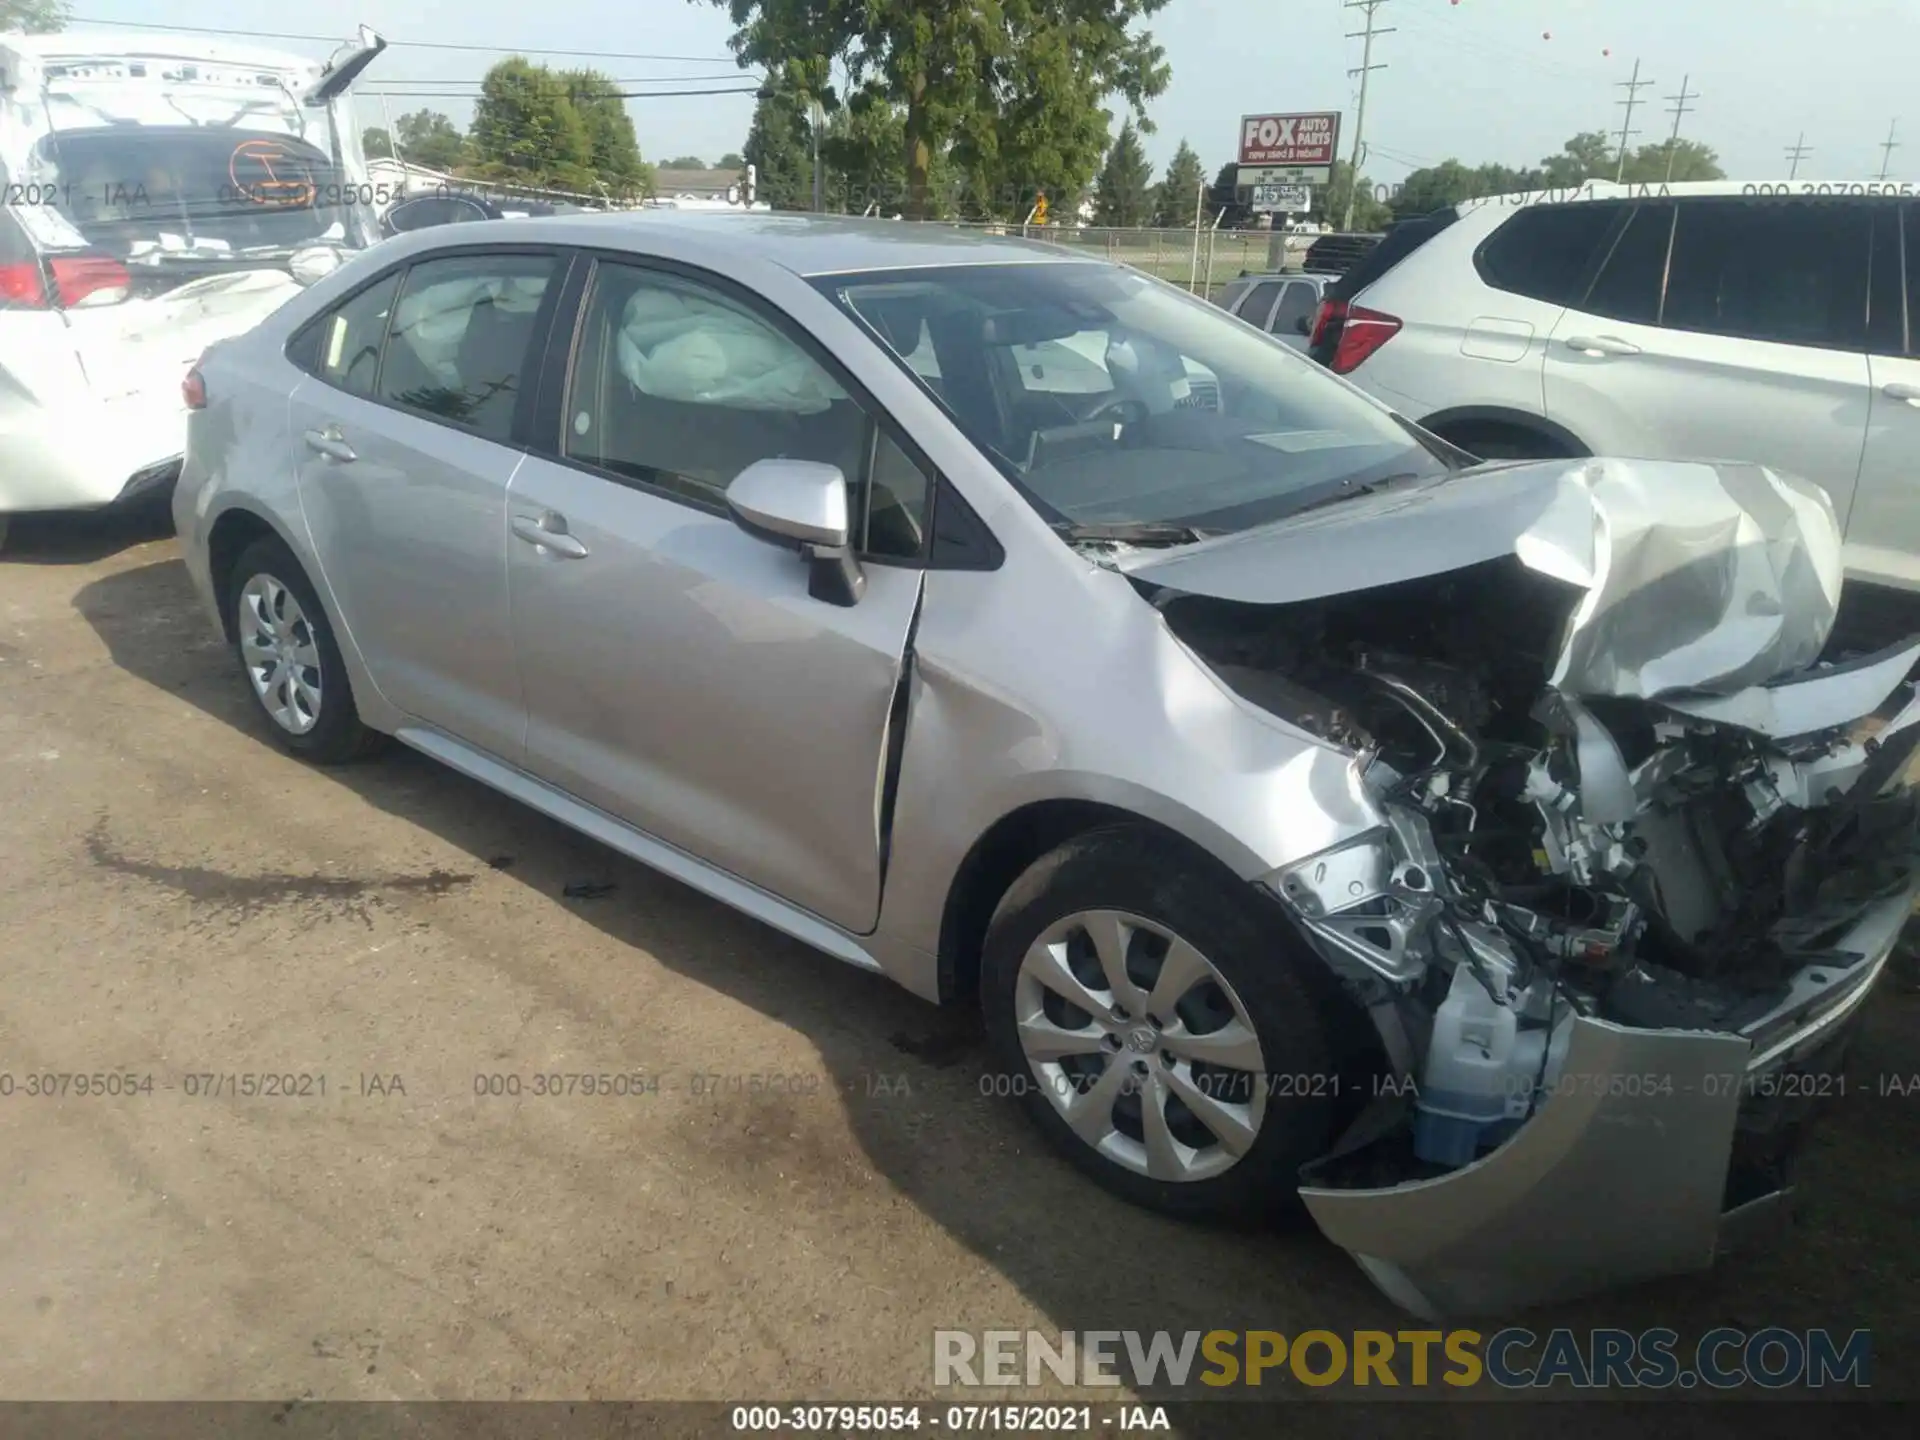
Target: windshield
[149,192]
[1112,399]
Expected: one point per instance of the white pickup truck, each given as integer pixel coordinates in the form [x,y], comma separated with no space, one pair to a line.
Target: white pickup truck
[157,193]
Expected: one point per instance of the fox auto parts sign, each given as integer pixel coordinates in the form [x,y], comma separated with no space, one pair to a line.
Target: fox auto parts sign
[1293,147]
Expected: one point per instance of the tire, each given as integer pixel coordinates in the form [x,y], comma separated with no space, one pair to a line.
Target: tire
[6,522]
[1308,1046]
[326,730]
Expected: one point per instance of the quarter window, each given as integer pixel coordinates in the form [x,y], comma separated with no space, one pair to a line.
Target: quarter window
[679,388]
[1544,250]
[1259,303]
[1298,304]
[344,348]
[461,336]
[1792,273]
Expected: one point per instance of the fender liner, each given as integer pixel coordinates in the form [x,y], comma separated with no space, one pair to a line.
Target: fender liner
[1511,419]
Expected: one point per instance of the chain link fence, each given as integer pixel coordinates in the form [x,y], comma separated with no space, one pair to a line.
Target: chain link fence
[1202,261]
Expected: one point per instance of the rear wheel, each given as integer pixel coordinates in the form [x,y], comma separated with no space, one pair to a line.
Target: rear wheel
[286,649]
[1162,1029]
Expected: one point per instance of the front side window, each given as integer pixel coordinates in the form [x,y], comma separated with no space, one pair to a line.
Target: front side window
[679,387]
[343,349]
[1634,274]
[1112,399]
[462,338]
[1762,270]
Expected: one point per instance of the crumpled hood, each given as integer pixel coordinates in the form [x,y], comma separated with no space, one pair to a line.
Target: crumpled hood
[1695,577]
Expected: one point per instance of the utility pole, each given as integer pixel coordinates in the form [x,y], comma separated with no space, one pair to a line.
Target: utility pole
[1367,67]
[1887,147]
[817,120]
[1633,88]
[1680,107]
[1797,152]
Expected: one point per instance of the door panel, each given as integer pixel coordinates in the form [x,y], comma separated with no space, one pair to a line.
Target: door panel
[677,672]
[1883,531]
[1688,371]
[407,510]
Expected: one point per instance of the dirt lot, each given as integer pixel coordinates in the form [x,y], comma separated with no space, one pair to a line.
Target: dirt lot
[177,898]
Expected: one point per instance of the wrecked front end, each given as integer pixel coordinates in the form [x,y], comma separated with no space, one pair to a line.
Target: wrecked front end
[1646,851]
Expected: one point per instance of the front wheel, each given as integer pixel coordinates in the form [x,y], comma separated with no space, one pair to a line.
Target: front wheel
[1163,1027]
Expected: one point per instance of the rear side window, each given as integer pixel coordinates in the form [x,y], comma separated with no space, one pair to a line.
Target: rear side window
[1544,251]
[1912,228]
[1298,304]
[1631,279]
[461,337]
[1259,302]
[432,210]
[1795,274]
[343,349]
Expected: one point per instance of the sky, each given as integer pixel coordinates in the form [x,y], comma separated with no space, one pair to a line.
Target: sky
[1475,80]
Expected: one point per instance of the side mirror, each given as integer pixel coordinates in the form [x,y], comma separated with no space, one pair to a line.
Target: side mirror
[1304,324]
[802,505]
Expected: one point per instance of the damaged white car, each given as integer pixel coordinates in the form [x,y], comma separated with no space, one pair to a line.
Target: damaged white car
[161,192]
[1475,851]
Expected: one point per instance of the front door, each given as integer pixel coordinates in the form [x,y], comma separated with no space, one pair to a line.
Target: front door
[402,440]
[677,673]
[1883,530]
[1754,348]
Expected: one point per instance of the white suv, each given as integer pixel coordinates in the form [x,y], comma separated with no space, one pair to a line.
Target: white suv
[1773,322]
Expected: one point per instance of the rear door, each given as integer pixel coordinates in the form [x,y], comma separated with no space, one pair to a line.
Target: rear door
[405,436]
[1725,328]
[1883,528]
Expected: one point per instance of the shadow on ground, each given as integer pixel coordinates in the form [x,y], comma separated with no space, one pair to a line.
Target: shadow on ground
[972,1164]
[81,537]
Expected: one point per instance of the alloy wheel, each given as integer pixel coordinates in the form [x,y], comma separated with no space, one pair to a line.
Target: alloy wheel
[1141,1045]
[282,657]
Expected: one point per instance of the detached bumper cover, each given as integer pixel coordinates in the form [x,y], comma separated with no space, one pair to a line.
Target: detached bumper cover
[1619,1177]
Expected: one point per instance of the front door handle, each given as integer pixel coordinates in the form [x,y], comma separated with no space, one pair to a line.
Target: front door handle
[327,442]
[549,532]
[1899,391]
[1601,345]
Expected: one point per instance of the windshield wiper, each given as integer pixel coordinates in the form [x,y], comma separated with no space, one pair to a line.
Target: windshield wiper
[1349,490]
[1131,532]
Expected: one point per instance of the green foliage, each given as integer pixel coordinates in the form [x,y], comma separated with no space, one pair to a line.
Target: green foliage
[1010,90]
[1179,188]
[429,138]
[1123,195]
[1587,156]
[684,162]
[1370,212]
[732,160]
[567,131]
[34,17]
[612,147]
[780,148]
[375,143]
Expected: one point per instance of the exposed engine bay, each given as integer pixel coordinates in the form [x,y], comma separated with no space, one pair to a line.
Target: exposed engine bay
[1664,863]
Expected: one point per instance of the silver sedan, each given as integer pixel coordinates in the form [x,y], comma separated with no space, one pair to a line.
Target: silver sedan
[1466,851]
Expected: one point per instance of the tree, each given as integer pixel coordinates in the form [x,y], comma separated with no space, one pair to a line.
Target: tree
[950,67]
[732,160]
[1370,212]
[34,17]
[526,129]
[376,144]
[1123,195]
[1587,156]
[1691,161]
[611,144]
[780,148]
[428,138]
[687,162]
[1179,189]
[1223,198]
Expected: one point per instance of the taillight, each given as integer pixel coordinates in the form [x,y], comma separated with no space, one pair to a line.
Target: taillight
[89,280]
[22,285]
[1361,333]
[193,389]
[78,280]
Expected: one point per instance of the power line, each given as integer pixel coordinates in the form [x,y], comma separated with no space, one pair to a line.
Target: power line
[1367,67]
[477,93]
[1680,107]
[1887,147]
[611,79]
[408,44]
[1633,88]
[1797,152]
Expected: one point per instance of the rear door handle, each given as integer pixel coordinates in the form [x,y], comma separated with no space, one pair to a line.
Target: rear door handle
[1899,391]
[1601,345]
[549,532]
[327,442]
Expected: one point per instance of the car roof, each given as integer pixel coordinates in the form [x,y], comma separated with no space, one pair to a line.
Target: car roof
[109,44]
[1651,190]
[807,245]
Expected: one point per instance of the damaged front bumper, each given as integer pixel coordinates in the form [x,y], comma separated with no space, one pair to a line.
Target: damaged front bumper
[1627,1172]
